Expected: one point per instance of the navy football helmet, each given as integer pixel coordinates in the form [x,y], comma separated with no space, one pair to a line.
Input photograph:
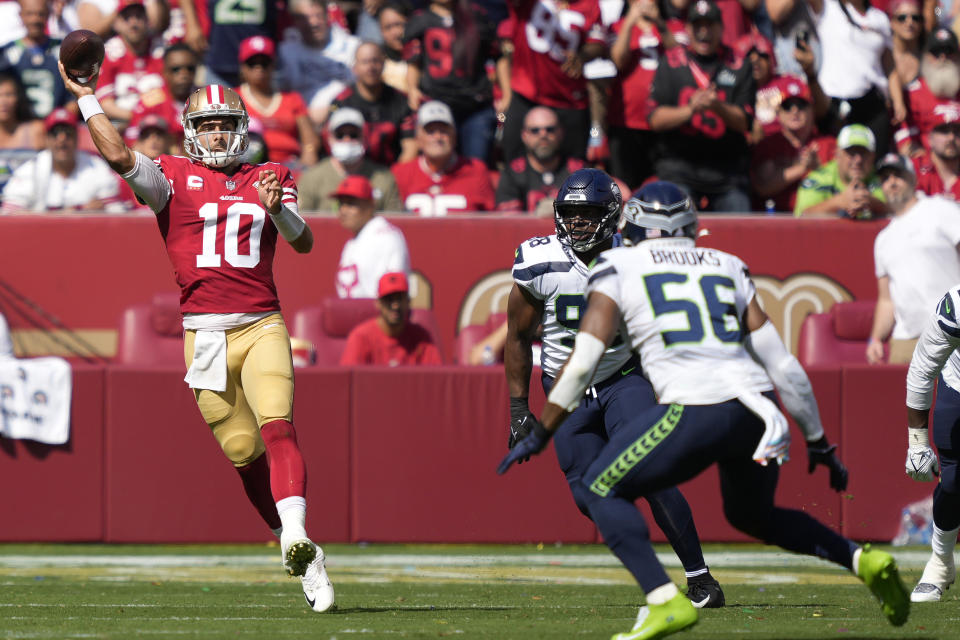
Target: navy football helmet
[587,209]
[658,210]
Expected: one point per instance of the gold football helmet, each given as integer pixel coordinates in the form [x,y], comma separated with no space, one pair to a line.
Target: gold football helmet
[220,102]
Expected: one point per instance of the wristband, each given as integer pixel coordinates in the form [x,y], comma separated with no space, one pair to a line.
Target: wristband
[288,223]
[89,106]
[917,437]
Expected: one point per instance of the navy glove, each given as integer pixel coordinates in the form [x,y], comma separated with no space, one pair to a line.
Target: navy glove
[822,452]
[521,422]
[531,445]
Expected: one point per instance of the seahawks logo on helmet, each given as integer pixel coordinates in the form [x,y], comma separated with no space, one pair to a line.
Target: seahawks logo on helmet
[587,209]
[658,210]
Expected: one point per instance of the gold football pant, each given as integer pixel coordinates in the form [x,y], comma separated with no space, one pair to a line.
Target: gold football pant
[259,387]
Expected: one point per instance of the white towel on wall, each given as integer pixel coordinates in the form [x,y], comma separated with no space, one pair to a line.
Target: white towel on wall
[209,367]
[35,397]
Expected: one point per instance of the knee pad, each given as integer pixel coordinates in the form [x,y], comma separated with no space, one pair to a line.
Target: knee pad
[241,448]
[747,518]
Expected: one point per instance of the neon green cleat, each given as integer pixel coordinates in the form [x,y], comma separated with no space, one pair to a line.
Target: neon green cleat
[660,620]
[878,570]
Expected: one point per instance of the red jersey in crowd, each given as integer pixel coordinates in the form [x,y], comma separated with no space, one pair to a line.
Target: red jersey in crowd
[387,121]
[125,76]
[929,180]
[218,236]
[279,119]
[921,114]
[777,148]
[630,89]
[161,103]
[368,344]
[542,33]
[463,188]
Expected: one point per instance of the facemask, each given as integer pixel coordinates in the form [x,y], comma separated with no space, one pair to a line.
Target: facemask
[347,152]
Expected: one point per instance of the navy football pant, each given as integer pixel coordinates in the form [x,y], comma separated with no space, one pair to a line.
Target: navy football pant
[946,437]
[610,406]
[670,444]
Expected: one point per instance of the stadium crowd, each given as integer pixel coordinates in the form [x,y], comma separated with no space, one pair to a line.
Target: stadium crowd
[453,106]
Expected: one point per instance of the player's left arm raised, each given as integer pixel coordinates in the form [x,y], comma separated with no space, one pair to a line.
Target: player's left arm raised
[281,204]
[765,346]
[597,330]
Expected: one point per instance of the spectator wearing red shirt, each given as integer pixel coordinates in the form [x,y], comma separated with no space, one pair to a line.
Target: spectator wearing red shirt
[439,182]
[288,132]
[167,102]
[391,338]
[132,63]
[937,170]
[939,82]
[783,159]
[546,44]
[642,36]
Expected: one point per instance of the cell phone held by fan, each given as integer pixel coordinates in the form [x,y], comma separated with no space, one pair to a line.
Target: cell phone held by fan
[803,39]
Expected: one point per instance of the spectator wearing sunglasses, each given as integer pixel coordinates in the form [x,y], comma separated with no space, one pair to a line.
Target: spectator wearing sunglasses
[784,158]
[288,131]
[938,84]
[530,183]
[167,102]
[348,157]
[906,23]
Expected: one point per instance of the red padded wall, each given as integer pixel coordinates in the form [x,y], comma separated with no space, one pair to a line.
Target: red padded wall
[425,451]
[55,493]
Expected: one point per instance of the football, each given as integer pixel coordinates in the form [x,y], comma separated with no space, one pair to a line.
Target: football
[81,53]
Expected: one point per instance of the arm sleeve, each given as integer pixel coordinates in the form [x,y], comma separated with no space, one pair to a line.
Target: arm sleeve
[791,381]
[147,181]
[940,339]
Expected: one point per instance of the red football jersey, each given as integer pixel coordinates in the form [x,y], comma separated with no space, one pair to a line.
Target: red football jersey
[279,119]
[630,89]
[125,76]
[218,236]
[777,148]
[929,180]
[463,188]
[921,118]
[368,344]
[543,32]
[158,102]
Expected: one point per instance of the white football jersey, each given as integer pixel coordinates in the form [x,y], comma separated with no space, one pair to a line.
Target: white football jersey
[681,306]
[936,352]
[553,273]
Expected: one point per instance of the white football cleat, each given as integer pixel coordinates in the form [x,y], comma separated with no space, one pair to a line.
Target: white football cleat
[298,555]
[317,588]
[937,577]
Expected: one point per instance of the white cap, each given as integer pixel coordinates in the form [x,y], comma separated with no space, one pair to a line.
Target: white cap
[345,115]
[434,111]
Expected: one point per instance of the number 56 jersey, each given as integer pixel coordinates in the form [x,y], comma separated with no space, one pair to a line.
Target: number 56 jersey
[219,237]
[552,273]
[682,306]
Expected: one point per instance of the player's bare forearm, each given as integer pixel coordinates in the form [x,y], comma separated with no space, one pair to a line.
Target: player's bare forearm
[917,418]
[105,136]
[523,317]
[553,416]
[304,242]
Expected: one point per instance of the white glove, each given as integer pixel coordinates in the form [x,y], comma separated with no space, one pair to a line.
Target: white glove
[922,464]
[775,443]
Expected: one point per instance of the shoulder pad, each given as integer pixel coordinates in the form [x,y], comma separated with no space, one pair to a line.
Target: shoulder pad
[947,313]
[538,256]
[518,164]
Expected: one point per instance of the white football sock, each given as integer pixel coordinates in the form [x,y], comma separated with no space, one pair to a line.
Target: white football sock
[662,594]
[293,515]
[943,542]
[856,561]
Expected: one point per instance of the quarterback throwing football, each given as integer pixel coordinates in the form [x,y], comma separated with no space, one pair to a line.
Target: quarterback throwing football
[220,218]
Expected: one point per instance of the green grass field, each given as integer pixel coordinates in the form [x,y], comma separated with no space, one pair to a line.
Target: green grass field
[394,591]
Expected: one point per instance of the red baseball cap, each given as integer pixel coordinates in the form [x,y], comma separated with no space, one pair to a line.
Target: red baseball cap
[946,113]
[257,46]
[123,4]
[59,116]
[354,186]
[793,87]
[395,282]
